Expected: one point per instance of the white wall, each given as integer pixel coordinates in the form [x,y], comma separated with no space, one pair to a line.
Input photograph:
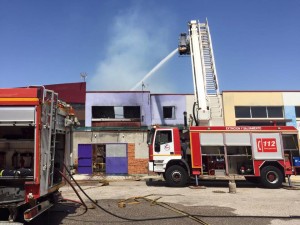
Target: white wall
[291,98]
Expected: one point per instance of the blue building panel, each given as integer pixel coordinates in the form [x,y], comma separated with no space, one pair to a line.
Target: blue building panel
[290,113]
[116,165]
[85,160]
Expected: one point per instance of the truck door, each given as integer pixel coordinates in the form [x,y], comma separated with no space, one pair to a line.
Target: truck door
[164,144]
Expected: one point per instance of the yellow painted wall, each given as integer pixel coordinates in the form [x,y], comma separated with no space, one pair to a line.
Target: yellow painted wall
[232,99]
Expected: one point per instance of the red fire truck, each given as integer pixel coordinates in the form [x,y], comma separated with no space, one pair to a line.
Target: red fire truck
[265,154]
[35,140]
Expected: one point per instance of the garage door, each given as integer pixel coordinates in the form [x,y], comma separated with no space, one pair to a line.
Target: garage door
[116,159]
[85,159]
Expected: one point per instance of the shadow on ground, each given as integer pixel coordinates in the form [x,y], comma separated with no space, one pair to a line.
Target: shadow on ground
[206,183]
[58,213]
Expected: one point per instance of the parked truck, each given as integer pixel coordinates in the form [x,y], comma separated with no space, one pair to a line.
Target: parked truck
[35,141]
[205,147]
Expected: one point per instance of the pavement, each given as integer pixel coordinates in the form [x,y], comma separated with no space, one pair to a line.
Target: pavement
[142,198]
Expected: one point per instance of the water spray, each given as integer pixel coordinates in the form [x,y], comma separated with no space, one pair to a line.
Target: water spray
[155,69]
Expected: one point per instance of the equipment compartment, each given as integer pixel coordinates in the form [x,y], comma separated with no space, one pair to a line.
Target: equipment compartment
[213,159]
[16,152]
[240,160]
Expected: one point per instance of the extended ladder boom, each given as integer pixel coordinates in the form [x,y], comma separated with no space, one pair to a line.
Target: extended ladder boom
[198,45]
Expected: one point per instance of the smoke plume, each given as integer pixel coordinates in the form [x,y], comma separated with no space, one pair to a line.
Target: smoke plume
[137,43]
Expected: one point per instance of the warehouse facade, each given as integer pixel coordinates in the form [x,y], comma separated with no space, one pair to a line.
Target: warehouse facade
[261,108]
[117,122]
[114,139]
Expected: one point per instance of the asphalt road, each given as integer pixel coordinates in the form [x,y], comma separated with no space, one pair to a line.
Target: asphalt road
[142,202]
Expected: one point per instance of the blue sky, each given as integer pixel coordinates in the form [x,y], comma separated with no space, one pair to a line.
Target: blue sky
[117,42]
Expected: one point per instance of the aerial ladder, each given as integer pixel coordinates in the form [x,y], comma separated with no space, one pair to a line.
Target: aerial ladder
[197,43]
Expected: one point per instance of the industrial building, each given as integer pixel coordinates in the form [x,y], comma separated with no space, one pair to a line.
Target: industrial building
[112,137]
[261,108]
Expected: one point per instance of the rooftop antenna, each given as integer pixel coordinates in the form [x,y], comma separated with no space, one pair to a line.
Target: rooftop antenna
[83,76]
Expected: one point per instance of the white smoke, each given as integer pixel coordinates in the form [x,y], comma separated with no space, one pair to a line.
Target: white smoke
[137,43]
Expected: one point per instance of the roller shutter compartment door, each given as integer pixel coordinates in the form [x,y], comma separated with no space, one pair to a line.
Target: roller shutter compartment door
[211,139]
[85,160]
[116,159]
[233,139]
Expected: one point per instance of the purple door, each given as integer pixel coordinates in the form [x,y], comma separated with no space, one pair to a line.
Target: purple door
[116,159]
[85,160]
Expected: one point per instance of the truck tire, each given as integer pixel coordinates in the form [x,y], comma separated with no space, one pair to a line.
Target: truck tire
[176,176]
[271,177]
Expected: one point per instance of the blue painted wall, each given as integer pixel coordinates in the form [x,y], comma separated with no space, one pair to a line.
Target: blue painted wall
[159,101]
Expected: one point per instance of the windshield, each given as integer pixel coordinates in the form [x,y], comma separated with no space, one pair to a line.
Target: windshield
[150,136]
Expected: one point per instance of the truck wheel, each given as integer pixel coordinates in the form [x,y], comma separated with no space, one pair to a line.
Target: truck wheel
[271,177]
[176,176]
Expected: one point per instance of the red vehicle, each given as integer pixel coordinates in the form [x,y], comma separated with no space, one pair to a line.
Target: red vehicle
[35,142]
[265,154]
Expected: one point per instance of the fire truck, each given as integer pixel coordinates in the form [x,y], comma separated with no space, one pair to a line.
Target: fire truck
[35,141]
[207,148]
[260,154]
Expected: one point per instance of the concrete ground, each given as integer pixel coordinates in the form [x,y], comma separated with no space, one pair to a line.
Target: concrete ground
[211,202]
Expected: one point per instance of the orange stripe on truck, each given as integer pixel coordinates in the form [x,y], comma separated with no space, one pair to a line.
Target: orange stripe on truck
[19,101]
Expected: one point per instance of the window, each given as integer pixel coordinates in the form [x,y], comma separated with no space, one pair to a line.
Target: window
[116,112]
[297,109]
[132,112]
[169,112]
[242,112]
[275,112]
[103,112]
[259,123]
[163,137]
[259,112]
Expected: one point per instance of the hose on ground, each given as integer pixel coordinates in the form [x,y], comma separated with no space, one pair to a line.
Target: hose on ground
[185,215]
[74,189]
[113,214]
